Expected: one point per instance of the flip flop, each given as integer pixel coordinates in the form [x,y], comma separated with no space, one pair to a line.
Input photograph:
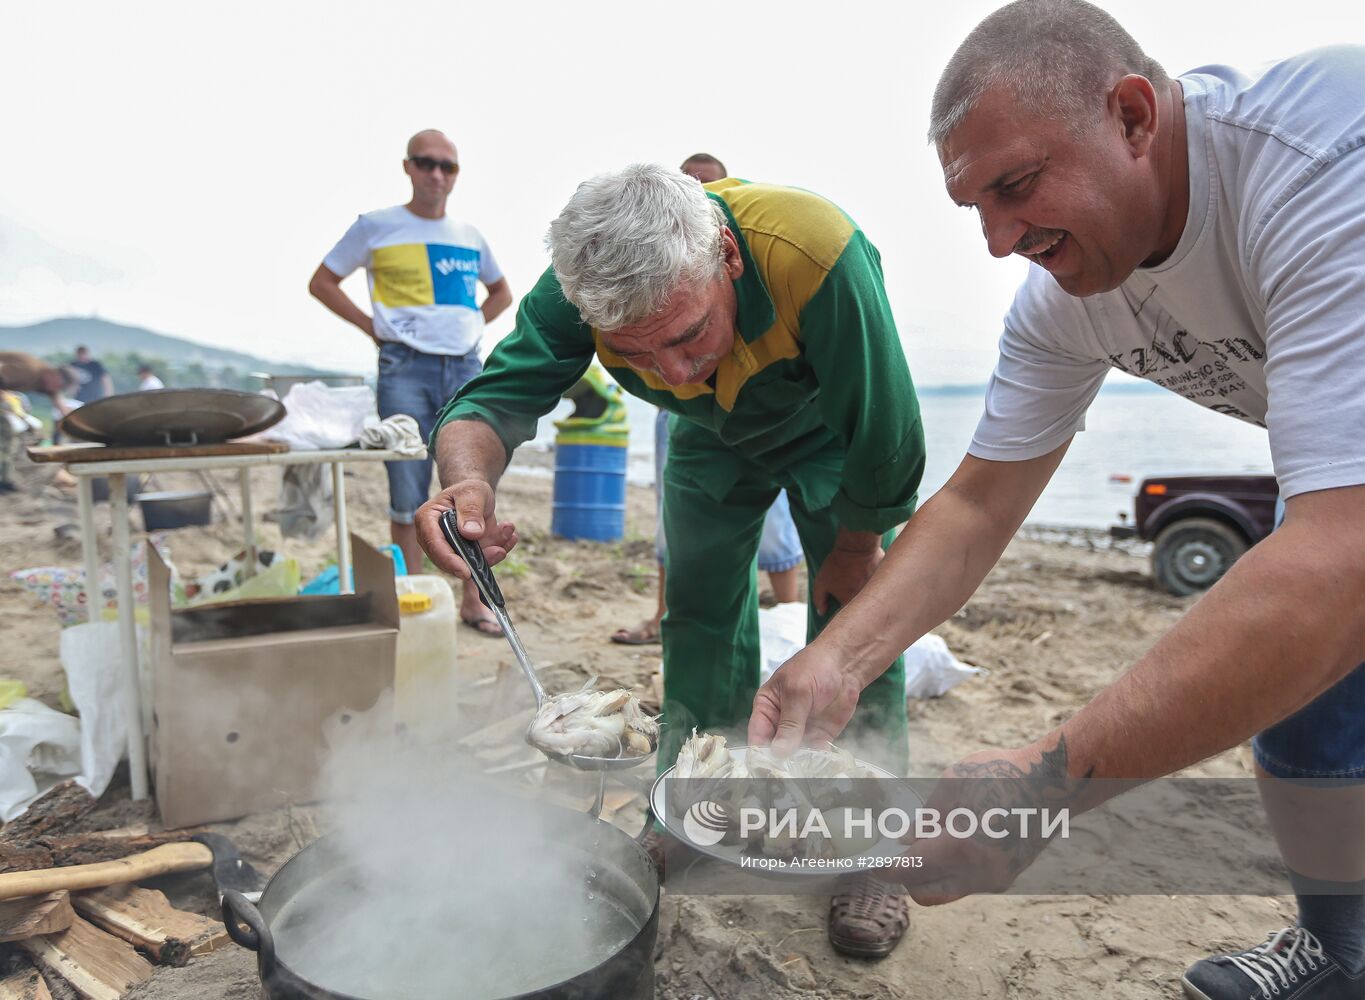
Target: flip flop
[638,636]
[484,626]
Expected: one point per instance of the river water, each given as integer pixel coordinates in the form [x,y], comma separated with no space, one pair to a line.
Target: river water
[1132,430]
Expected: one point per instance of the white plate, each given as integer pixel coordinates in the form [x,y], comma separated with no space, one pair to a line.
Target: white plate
[733,854]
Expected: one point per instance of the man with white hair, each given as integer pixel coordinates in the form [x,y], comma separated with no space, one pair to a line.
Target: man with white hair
[1206,233]
[756,314]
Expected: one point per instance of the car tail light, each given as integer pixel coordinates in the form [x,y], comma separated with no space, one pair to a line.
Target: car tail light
[1155,489]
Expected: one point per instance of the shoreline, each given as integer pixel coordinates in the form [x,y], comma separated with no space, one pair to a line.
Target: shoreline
[533,462]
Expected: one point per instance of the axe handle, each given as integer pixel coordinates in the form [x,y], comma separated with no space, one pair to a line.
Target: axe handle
[161,860]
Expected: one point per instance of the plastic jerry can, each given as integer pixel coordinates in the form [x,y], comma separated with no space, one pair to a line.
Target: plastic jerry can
[424,675]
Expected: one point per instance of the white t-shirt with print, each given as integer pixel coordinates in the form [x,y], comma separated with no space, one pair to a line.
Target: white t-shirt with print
[424,277]
[1260,311]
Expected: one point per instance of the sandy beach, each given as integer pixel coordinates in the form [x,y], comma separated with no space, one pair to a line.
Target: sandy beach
[1060,616]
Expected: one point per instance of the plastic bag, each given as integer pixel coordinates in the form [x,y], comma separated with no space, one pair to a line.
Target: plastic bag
[280,580]
[319,416]
[930,669]
[92,657]
[11,691]
[39,747]
[781,635]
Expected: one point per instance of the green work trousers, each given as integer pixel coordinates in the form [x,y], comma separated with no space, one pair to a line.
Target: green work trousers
[714,502]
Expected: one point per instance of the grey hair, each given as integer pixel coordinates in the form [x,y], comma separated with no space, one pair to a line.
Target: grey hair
[1058,57]
[627,240]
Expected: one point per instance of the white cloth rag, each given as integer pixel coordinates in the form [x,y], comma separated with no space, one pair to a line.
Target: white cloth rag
[396,433]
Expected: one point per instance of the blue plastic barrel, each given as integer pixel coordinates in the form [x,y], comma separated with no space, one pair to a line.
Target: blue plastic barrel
[590,491]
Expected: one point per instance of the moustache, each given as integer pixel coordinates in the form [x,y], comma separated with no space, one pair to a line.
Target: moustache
[1031,241]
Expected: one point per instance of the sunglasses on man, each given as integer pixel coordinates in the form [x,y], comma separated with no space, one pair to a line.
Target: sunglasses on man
[426,164]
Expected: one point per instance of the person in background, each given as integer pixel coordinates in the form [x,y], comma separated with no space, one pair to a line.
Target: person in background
[424,270]
[1205,232]
[147,379]
[23,373]
[779,550]
[94,381]
[12,425]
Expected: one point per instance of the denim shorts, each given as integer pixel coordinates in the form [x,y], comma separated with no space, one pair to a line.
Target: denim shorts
[780,547]
[1325,738]
[419,385]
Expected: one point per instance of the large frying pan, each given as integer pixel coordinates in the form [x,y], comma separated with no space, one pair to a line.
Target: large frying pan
[173,417]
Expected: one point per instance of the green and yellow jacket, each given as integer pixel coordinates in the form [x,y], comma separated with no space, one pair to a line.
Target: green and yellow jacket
[816,363]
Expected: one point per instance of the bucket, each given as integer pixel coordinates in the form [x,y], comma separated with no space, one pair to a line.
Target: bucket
[590,492]
[590,463]
[163,511]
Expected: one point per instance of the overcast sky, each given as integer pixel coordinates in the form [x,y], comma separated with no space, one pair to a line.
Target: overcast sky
[185,167]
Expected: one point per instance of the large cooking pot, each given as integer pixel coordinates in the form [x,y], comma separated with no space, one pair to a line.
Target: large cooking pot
[604,879]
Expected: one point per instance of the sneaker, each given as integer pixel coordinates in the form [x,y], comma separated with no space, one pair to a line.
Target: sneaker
[869,920]
[1290,965]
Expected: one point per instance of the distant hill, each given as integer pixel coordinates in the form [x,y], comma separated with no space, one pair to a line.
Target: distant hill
[63,336]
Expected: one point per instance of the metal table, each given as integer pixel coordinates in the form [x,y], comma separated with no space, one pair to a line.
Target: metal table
[186,460]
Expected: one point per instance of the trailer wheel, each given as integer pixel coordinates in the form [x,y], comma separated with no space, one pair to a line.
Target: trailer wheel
[1190,555]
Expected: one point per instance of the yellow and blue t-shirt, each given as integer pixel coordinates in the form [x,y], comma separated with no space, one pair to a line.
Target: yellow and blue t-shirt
[424,277]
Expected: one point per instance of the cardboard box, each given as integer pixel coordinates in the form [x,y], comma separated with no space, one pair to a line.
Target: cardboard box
[243,692]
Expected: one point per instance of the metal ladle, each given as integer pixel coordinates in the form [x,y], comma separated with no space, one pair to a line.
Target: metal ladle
[472,554]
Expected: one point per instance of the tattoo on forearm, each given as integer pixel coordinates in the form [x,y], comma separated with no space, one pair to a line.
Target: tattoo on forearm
[1000,784]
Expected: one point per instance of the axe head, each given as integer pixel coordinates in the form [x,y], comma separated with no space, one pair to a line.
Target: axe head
[229,870]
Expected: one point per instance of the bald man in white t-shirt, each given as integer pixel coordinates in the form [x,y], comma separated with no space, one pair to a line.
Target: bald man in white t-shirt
[424,269]
[1206,233]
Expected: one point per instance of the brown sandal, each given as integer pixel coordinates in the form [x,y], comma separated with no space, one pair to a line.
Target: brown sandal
[644,634]
[870,920]
[486,627]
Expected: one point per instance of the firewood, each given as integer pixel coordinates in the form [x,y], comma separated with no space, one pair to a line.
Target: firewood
[85,848]
[24,983]
[16,858]
[136,830]
[144,917]
[614,801]
[25,918]
[59,808]
[92,848]
[97,965]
